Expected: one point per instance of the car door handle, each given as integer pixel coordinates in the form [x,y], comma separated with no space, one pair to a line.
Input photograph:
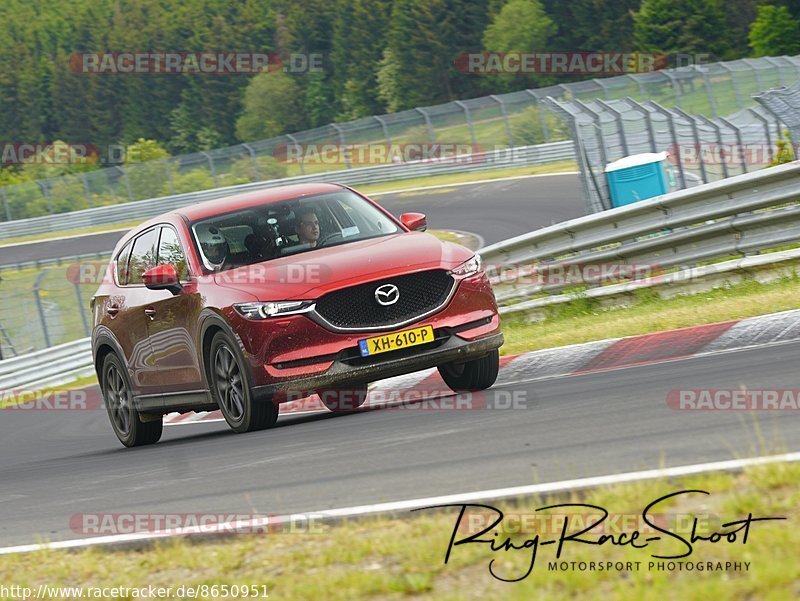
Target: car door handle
[112,310]
[150,312]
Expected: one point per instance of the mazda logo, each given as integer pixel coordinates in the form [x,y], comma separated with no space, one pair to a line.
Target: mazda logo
[386,295]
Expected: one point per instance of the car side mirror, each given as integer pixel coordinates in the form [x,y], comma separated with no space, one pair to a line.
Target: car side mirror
[414,221]
[162,277]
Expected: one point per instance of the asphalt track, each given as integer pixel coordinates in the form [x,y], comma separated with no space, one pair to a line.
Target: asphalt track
[57,464]
[493,210]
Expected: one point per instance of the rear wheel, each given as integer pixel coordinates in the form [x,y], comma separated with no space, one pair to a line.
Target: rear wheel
[477,374]
[129,428]
[348,398]
[230,388]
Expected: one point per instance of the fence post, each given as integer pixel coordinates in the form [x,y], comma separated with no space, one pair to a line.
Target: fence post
[81,309]
[168,169]
[505,119]
[5,205]
[738,135]
[676,91]
[253,158]
[640,109]
[431,135]
[756,71]
[468,119]
[765,122]
[43,186]
[639,84]
[598,131]
[127,182]
[777,66]
[660,109]
[593,204]
[385,130]
[603,87]
[538,103]
[712,101]
[300,160]
[717,129]
[739,101]
[211,166]
[620,126]
[342,143]
[696,137]
[38,298]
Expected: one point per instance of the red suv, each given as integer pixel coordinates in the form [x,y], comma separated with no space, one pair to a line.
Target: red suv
[249,301]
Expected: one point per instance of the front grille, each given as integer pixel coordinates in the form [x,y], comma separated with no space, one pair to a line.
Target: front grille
[356,307]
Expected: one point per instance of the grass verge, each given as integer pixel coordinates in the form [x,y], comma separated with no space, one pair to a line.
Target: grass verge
[402,557]
[582,320]
[436,180]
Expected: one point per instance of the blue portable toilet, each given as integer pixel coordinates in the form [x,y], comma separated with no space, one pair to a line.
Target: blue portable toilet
[636,177]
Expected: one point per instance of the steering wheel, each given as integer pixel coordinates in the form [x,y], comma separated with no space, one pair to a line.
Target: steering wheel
[323,240]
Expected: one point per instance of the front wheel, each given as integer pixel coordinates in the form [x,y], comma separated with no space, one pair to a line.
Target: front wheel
[230,388]
[470,376]
[129,428]
[344,399]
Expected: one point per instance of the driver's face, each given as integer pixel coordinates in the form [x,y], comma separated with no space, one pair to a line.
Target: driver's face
[308,228]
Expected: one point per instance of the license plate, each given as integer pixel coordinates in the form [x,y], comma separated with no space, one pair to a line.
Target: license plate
[392,342]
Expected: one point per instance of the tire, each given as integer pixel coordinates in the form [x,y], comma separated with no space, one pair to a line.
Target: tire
[340,400]
[117,394]
[229,383]
[478,374]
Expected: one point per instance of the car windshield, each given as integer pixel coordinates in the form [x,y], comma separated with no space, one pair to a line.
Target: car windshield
[279,229]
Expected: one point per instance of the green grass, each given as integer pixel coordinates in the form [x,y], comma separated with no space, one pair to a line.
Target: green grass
[401,557]
[583,320]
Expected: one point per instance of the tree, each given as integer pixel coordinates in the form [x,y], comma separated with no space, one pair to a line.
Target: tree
[682,26]
[273,105]
[774,32]
[415,65]
[520,26]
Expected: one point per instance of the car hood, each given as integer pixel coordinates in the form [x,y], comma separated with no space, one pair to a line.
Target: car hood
[309,275]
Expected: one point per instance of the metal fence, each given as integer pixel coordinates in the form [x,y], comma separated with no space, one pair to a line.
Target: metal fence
[496,121]
[739,216]
[700,149]
[512,157]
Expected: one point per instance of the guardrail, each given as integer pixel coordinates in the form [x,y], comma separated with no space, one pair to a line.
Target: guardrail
[737,216]
[143,209]
[49,367]
[732,217]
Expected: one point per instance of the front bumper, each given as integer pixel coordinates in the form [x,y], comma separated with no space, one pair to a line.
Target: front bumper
[343,372]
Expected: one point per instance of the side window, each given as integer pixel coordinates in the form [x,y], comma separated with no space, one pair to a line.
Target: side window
[143,256]
[122,264]
[171,252]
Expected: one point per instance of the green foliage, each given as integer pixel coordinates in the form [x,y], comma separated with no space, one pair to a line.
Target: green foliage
[520,26]
[191,181]
[775,32]
[272,106]
[681,26]
[243,171]
[785,152]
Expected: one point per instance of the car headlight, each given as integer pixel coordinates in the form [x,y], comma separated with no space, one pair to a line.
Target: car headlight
[467,268]
[266,310]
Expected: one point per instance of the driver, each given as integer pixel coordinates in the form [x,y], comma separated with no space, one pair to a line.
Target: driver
[213,244]
[307,227]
